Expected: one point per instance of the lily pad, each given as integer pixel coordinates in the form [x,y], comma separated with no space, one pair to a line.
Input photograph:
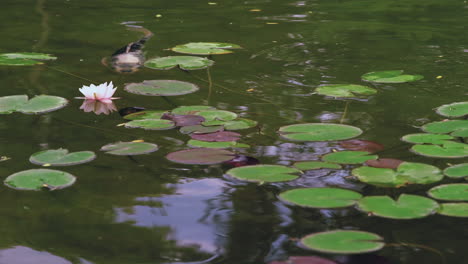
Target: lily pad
[37,179]
[222,136]
[211,115]
[426,138]
[202,156]
[444,127]
[314,165]
[343,242]
[303,260]
[61,157]
[384,163]
[349,157]
[226,144]
[239,123]
[362,145]
[129,148]
[345,90]
[453,110]
[190,109]
[151,124]
[264,173]
[457,171]
[24,58]
[450,192]
[36,105]
[448,150]
[184,120]
[319,132]
[161,88]
[406,207]
[199,129]
[183,62]
[395,76]
[406,173]
[205,48]
[320,197]
[454,209]
[150,114]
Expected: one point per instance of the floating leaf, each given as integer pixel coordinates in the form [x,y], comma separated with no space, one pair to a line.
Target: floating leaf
[319,132]
[426,138]
[384,163]
[395,76]
[362,145]
[454,209]
[406,173]
[314,165]
[151,124]
[453,110]
[184,120]
[211,115]
[343,242]
[444,127]
[320,197]
[36,105]
[304,260]
[161,88]
[145,115]
[37,179]
[205,48]
[129,148]
[345,90]
[227,144]
[183,62]
[24,58]
[217,136]
[61,157]
[240,123]
[199,129]
[202,156]
[457,171]
[190,110]
[450,192]
[264,173]
[448,150]
[406,207]
[348,157]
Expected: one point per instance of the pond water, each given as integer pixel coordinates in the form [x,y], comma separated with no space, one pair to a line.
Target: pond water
[146,209]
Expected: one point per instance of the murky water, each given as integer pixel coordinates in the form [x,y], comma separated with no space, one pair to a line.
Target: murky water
[149,210]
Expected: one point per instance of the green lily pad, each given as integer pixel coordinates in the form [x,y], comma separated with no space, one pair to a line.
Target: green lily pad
[61,157]
[406,173]
[201,156]
[319,132]
[199,129]
[406,207]
[454,209]
[450,192]
[457,171]
[220,115]
[395,76]
[226,144]
[205,48]
[453,110]
[345,90]
[151,124]
[444,127]
[183,62]
[37,179]
[448,150]
[190,109]
[426,138]
[314,165]
[24,58]
[264,173]
[150,114]
[129,148]
[343,242]
[240,123]
[161,88]
[320,197]
[349,157]
[36,105]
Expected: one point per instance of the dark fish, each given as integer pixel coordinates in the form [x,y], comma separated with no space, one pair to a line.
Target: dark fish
[130,58]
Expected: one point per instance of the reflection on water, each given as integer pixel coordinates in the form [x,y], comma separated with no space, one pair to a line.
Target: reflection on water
[25,255]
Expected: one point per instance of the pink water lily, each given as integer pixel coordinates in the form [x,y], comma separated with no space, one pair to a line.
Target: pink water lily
[103,92]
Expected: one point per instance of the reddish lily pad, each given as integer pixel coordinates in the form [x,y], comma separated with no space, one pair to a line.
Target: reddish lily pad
[362,145]
[199,129]
[304,260]
[384,163]
[217,136]
[184,120]
[202,156]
